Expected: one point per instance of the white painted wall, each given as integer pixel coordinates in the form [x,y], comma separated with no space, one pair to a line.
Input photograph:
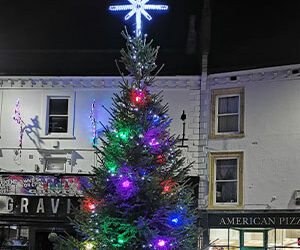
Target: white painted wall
[272,136]
[180,96]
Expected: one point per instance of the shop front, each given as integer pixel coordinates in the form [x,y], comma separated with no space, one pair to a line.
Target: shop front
[252,230]
[33,206]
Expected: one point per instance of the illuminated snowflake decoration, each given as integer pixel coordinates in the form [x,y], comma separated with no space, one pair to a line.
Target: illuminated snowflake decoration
[139,8]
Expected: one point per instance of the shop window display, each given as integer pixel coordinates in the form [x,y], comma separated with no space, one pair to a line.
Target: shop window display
[234,239]
[222,239]
[254,239]
[218,239]
[14,236]
[271,239]
[241,238]
[287,238]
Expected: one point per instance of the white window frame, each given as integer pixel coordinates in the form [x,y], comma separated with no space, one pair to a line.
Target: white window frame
[220,115]
[70,95]
[237,182]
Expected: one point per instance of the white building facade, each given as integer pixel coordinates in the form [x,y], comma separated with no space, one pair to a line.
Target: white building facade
[249,159]
[40,183]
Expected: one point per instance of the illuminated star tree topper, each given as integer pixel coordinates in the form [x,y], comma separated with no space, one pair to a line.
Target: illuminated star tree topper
[139,8]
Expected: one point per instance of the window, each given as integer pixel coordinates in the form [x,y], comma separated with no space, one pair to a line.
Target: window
[222,238]
[58,115]
[287,238]
[254,239]
[245,238]
[226,180]
[227,113]
[218,238]
[14,237]
[55,165]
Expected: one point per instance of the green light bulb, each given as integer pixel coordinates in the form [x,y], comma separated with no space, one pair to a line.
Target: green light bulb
[120,241]
[123,135]
[111,166]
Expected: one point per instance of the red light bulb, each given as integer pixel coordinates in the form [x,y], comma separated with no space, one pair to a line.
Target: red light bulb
[91,206]
[159,159]
[167,188]
[90,203]
[138,99]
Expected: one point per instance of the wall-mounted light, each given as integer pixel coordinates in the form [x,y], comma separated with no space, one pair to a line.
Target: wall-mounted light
[183,117]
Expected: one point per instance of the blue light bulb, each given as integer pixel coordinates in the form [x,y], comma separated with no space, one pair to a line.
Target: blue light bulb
[175,220]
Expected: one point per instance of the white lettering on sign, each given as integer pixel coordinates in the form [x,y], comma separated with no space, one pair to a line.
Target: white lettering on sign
[36,205]
[24,205]
[260,221]
[9,204]
[54,207]
[40,206]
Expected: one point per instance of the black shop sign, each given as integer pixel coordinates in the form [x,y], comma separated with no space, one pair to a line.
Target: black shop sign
[38,206]
[277,220]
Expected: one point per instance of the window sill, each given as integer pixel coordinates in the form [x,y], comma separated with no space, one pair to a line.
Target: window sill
[62,137]
[54,172]
[235,207]
[224,136]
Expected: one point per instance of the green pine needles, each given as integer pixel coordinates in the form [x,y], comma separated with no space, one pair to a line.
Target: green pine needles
[140,197]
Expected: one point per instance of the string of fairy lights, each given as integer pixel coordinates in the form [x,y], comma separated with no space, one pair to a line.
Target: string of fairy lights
[17,117]
[92,118]
[124,179]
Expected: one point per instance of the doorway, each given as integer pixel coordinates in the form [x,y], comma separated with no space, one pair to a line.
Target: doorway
[42,242]
[253,239]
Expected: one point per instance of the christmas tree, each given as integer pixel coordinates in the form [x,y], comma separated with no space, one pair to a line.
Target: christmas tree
[140,197]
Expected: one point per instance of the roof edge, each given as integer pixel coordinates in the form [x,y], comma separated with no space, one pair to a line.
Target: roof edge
[26,82]
[288,72]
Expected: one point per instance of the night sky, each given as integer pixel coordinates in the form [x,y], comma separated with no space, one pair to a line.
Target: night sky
[81,37]
[253,34]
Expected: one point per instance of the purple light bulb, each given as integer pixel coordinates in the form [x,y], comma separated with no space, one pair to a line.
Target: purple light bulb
[126,184]
[153,142]
[161,243]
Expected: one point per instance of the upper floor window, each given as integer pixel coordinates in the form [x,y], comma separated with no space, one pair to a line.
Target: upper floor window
[227,113]
[58,114]
[226,179]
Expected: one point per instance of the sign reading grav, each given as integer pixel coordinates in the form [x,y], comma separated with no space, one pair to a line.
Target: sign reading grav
[37,206]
